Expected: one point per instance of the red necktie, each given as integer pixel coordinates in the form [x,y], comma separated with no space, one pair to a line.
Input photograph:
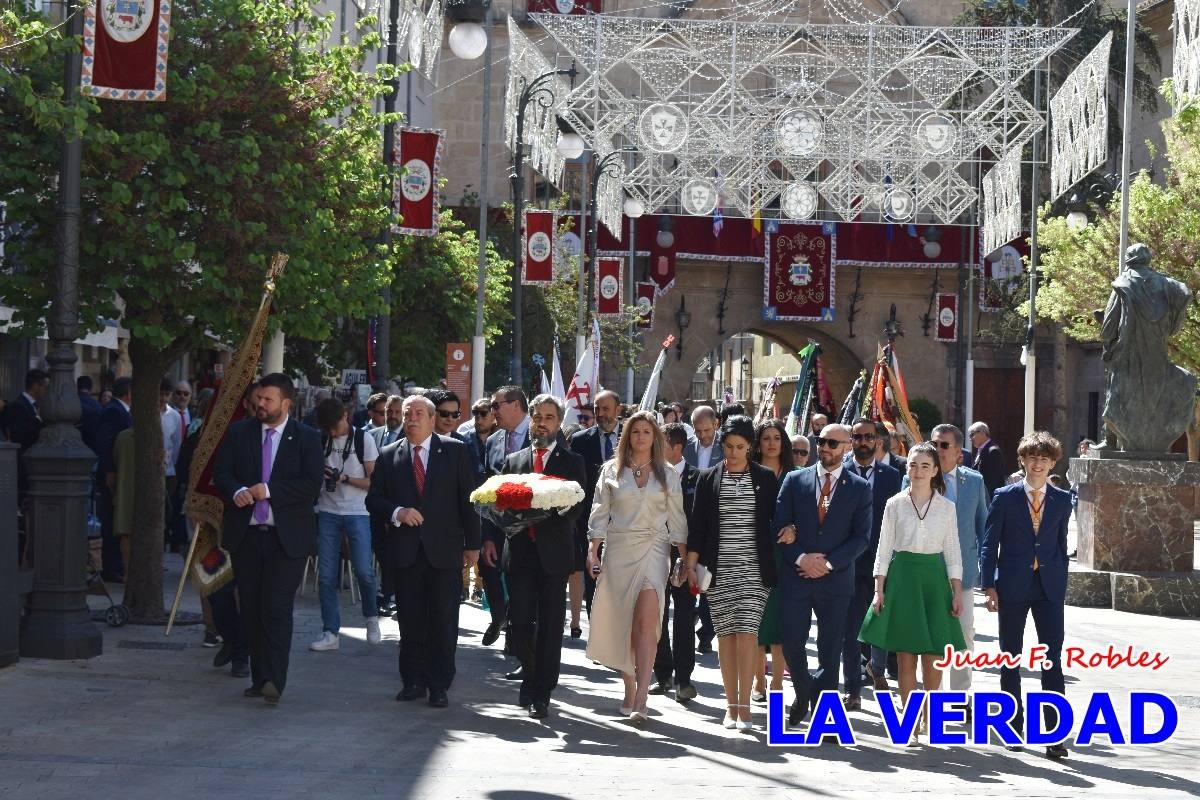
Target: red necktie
[539,465]
[823,506]
[418,470]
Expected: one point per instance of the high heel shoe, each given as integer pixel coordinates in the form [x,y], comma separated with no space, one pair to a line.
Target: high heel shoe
[638,717]
[745,725]
[730,722]
[758,696]
[626,711]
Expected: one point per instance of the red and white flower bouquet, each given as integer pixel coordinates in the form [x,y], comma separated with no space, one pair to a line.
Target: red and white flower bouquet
[514,502]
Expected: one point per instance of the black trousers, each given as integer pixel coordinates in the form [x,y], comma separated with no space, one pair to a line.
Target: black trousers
[707,631]
[676,654]
[110,544]
[224,605]
[796,614]
[387,578]
[1048,620]
[852,649]
[427,599]
[493,587]
[267,582]
[537,601]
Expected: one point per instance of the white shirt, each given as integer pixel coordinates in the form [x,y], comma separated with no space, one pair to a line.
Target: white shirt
[903,531]
[704,454]
[1041,504]
[821,473]
[869,477]
[347,500]
[171,426]
[128,408]
[679,468]
[274,452]
[423,455]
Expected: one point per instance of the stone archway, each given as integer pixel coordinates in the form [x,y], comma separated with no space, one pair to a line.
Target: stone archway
[699,284]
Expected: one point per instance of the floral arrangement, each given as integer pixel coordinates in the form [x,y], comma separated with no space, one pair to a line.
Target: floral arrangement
[514,502]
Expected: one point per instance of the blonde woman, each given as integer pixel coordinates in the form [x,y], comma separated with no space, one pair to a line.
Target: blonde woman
[637,515]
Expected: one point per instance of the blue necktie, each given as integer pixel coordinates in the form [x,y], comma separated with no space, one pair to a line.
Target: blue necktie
[608,449]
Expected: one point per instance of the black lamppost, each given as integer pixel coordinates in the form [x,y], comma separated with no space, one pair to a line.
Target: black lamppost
[59,464]
[683,318]
[537,90]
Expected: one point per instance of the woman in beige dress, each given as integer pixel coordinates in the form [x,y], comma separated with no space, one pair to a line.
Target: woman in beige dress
[638,515]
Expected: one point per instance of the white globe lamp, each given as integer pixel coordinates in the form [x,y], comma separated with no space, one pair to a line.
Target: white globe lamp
[571,145]
[1077,220]
[633,208]
[468,40]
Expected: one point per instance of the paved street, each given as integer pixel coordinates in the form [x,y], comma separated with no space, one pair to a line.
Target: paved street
[144,722]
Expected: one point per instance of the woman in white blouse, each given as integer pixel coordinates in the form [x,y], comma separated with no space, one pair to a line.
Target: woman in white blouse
[918,573]
[638,515]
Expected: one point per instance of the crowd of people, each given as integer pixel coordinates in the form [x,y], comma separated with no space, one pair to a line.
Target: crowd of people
[694,528]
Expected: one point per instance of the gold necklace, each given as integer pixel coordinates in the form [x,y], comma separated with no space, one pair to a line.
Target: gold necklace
[637,470]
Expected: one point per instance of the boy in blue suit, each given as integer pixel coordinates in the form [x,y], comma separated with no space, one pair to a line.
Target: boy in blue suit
[829,508]
[1023,566]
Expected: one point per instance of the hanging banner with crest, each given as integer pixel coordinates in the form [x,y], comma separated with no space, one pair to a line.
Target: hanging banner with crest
[645,303]
[947,317]
[418,154]
[125,49]
[609,299]
[798,283]
[537,256]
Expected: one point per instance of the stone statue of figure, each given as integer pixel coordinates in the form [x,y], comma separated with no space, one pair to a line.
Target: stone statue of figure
[1149,400]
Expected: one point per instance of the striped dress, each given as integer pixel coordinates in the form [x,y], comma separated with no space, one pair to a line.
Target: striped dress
[737,597]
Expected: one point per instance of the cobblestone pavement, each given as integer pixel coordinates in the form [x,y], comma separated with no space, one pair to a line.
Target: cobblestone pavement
[143,722]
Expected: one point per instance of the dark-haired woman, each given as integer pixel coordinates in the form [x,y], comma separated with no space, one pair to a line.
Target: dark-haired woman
[772,449]
[731,536]
[918,575]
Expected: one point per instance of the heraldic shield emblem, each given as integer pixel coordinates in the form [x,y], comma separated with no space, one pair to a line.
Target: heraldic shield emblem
[800,272]
[663,127]
[127,20]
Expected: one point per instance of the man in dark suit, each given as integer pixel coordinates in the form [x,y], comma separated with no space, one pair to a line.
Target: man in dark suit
[269,470]
[676,657]
[391,431]
[89,411]
[511,409]
[829,508]
[1023,567]
[421,486]
[596,444]
[989,459]
[884,483]
[22,420]
[448,411]
[114,418]
[539,559]
[704,450]
[883,448]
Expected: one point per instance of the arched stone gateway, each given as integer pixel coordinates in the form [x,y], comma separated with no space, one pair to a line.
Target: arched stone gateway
[699,284]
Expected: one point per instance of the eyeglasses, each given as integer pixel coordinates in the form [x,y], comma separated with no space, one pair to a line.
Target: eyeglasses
[943,445]
[832,444]
[585,417]
[480,412]
[796,451]
[863,437]
[449,414]
[496,405]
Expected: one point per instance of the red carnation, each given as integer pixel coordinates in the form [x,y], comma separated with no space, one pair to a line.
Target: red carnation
[514,497]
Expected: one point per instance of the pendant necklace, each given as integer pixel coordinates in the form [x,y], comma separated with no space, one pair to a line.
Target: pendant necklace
[920,517]
[737,480]
[637,470]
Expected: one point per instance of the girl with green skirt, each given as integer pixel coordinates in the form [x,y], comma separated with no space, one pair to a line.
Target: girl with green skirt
[918,572]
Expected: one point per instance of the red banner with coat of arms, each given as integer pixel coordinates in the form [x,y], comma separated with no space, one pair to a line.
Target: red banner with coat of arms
[418,153]
[947,317]
[537,256]
[608,287]
[125,49]
[798,280]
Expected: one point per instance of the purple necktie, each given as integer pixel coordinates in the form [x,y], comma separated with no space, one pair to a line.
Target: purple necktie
[263,507]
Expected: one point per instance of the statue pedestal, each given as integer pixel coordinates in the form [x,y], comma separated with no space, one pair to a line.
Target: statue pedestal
[1136,549]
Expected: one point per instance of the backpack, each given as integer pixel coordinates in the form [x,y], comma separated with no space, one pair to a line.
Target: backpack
[357,437]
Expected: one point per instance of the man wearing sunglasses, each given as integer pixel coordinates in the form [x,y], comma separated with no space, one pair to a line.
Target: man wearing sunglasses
[884,482]
[800,448]
[448,413]
[828,507]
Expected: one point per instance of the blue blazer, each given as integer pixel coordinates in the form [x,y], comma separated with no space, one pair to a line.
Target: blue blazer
[690,452]
[1009,544]
[971,506]
[844,536]
[493,461]
[887,484]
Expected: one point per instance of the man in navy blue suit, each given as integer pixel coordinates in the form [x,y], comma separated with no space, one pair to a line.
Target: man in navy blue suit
[884,482]
[829,508]
[1023,566]
[114,418]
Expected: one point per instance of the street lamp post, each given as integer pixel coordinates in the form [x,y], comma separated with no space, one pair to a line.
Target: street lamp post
[538,90]
[1029,351]
[59,464]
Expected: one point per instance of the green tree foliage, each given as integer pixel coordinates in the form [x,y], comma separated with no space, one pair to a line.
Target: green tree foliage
[1079,266]
[267,142]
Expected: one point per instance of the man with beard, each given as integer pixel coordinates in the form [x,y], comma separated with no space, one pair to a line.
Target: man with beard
[269,469]
[539,559]
[884,482]
[390,431]
[511,409]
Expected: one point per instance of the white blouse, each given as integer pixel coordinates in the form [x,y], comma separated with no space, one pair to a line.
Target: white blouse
[620,505]
[904,531]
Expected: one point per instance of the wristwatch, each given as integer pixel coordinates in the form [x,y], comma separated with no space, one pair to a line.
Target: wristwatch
[828,566]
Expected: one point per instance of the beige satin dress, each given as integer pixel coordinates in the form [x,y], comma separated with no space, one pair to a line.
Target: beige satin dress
[638,527]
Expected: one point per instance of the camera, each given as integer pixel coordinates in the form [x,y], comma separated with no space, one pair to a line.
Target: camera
[332,476]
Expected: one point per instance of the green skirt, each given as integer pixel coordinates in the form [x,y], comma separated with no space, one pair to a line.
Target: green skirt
[916,614]
[769,629]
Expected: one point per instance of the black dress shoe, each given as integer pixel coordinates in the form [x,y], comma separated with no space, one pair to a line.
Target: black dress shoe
[410,693]
[491,634]
[1056,751]
[271,694]
[704,647]
[661,687]
[224,655]
[438,698]
[517,674]
[540,709]
[797,711]
[852,702]
[253,691]
[576,633]
[240,669]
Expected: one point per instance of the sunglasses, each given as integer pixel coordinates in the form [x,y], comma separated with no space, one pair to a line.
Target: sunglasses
[796,451]
[832,444]
[943,445]
[863,437]
[585,417]
[496,406]
[449,414]
[481,412]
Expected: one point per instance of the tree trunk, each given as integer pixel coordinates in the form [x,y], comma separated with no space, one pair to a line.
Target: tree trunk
[144,573]
[1193,434]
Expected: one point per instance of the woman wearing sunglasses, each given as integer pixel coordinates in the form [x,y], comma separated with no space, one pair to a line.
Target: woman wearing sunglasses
[918,577]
